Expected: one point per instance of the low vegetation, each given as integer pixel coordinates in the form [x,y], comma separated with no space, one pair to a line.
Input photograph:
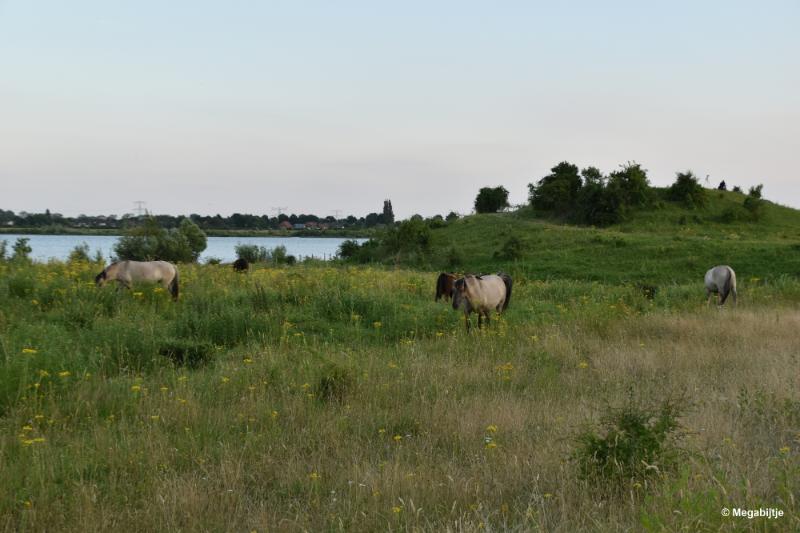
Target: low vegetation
[344,398]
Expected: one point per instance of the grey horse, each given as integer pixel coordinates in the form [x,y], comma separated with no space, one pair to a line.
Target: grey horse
[721,280]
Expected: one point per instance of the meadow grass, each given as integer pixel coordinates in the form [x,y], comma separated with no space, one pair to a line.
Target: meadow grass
[336,398]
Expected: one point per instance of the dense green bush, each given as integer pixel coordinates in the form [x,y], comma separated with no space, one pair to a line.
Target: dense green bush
[511,249]
[491,199]
[80,253]
[637,442]
[687,190]
[252,253]
[150,241]
[21,249]
[558,191]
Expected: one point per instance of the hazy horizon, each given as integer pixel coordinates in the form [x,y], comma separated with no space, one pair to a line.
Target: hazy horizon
[211,108]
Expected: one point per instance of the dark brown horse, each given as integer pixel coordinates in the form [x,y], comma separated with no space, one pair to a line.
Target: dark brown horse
[444,285]
[241,265]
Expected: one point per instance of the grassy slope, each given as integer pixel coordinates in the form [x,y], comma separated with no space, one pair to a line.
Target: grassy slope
[660,245]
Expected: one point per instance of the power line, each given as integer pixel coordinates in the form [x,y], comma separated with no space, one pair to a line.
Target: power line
[140,208]
[279,209]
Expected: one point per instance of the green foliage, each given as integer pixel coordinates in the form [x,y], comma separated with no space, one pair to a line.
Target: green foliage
[349,249]
[150,241]
[3,250]
[252,253]
[558,191]
[491,199]
[631,185]
[597,204]
[754,206]
[636,442]
[755,192]
[451,216]
[687,190]
[187,352]
[21,249]
[511,250]
[334,382]
[453,258]
[80,253]
[388,213]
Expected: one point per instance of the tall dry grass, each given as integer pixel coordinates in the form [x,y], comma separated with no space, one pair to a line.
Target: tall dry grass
[436,430]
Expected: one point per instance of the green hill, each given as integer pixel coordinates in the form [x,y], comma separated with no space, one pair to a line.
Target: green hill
[665,243]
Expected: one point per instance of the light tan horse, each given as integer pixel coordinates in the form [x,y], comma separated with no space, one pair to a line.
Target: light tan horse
[481,294]
[720,280]
[128,272]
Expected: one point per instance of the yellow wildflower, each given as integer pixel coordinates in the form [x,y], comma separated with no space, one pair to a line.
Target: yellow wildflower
[30,351]
[397,438]
[785,449]
[136,388]
[396,509]
[583,364]
[491,428]
[313,476]
[64,374]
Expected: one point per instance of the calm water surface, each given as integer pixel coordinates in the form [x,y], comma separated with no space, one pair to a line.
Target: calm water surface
[59,246]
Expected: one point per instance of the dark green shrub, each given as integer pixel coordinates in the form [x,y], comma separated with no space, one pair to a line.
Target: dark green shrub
[636,443]
[187,352]
[251,253]
[754,206]
[630,185]
[687,190]
[491,199]
[558,191]
[349,249]
[80,254]
[21,250]
[453,258]
[334,382]
[511,250]
[21,284]
[149,241]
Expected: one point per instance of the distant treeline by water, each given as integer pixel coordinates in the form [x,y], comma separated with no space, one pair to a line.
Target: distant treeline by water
[234,222]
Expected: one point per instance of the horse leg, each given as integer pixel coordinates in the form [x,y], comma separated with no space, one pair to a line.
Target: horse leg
[709,294]
[486,316]
[479,320]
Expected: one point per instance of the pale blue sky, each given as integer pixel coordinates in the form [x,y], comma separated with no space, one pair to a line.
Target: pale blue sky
[218,107]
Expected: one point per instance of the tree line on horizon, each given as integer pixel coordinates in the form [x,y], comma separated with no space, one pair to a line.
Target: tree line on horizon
[236,221]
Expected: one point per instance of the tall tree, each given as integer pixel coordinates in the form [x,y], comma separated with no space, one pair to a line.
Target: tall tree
[388,214]
[491,199]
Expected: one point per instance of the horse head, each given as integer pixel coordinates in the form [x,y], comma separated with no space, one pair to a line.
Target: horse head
[100,279]
[459,292]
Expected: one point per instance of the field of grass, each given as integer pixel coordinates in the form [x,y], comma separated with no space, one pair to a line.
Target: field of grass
[323,397]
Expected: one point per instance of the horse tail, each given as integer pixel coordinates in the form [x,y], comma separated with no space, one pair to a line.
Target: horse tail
[726,286]
[441,286]
[508,282]
[174,285]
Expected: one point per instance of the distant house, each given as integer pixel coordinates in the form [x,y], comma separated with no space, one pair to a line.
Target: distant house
[285,225]
[312,225]
[298,226]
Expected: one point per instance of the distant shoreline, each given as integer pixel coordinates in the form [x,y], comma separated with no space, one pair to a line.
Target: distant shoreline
[116,232]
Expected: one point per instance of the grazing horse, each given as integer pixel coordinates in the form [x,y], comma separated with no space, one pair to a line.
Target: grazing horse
[241,265]
[444,285]
[721,280]
[128,272]
[481,294]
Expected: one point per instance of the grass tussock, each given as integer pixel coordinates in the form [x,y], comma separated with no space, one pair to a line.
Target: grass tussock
[321,398]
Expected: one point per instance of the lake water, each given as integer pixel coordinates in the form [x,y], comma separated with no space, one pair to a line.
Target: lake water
[59,246]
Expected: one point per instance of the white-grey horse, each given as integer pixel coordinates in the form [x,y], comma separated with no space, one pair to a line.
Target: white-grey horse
[128,272]
[481,294]
[721,280]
